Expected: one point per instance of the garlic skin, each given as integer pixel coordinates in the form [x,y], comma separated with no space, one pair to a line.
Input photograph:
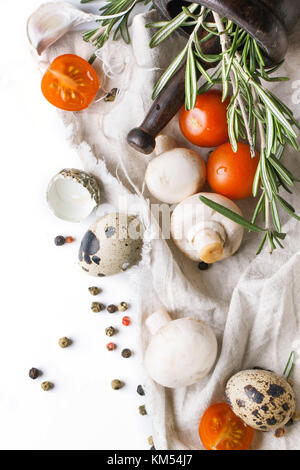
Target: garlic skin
[51,21]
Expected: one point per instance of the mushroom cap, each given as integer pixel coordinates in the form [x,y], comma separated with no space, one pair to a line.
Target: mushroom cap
[181,353]
[191,212]
[176,174]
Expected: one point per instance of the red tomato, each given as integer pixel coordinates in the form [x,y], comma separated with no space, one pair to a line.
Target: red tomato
[221,429]
[232,174]
[206,124]
[70,83]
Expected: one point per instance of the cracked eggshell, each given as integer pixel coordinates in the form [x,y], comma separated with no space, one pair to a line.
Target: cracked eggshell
[113,244]
[73,194]
[262,399]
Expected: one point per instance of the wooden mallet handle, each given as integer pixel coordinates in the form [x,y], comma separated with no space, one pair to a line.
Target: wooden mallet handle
[165,106]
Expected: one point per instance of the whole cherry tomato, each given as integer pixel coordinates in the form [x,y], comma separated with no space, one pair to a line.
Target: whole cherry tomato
[221,429]
[206,125]
[232,174]
[70,83]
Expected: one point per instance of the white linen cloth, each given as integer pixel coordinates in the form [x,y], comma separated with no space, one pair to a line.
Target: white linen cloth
[252,303]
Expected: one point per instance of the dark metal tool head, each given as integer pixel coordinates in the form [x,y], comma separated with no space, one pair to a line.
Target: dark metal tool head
[268,21]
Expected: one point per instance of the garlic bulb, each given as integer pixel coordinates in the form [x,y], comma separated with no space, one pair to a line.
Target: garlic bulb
[51,21]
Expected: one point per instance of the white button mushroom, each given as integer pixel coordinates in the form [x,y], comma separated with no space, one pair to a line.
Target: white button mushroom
[180,352]
[175,173]
[202,233]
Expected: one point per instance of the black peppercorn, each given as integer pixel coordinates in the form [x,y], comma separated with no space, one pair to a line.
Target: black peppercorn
[112,308]
[152,448]
[34,373]
[203,266]
[59,240]
[126,353]
[140,390]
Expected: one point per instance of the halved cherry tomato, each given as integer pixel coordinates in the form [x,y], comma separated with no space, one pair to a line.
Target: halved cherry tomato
[221,429]
[232,174]
[70,83]
[206,125]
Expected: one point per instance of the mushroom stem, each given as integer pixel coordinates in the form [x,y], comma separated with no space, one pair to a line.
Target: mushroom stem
[208,239]
[157,320]
[164,143]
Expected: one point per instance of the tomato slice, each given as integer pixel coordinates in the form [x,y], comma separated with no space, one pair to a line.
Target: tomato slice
[221,429]
[70,83]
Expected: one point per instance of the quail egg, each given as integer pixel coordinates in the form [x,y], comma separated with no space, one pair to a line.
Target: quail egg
[262,399]
[113,244]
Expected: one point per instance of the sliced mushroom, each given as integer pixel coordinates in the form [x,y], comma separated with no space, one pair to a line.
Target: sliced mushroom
[175,173]
[203,234]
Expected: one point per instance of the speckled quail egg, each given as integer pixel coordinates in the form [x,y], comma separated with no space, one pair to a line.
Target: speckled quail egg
[113,244]
[262,399]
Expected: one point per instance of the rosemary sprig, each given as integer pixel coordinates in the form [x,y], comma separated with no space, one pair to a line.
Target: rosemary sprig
[114,17]
[254,113]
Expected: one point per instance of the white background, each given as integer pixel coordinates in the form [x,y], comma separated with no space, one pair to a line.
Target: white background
[44,295]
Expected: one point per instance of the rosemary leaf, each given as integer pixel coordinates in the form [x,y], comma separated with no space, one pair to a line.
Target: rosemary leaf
[173,67]
[172,25]
[275,215]
[231,215]
[262,244]
[289,366]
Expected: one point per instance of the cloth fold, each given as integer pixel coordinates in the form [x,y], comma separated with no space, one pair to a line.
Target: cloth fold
[252,303]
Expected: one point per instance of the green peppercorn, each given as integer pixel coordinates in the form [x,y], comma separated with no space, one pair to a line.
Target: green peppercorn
[126,353]
[123,306]
[46,386]
[94,290]
[59,240]
[140,390]
[110,331]
[64,342]
[142,410]
[112,308]
[111,96]
[96,307]
[117,384]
